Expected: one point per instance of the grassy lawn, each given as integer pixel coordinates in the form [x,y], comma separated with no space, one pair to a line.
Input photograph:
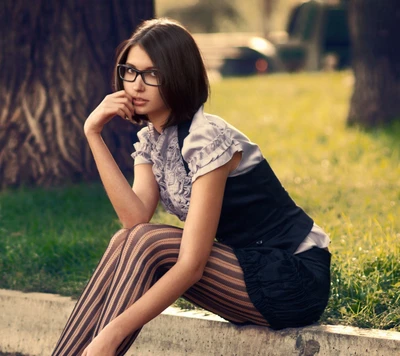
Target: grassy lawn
[348,180]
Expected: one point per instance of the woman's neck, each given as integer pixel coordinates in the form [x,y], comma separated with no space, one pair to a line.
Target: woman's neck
[158,121]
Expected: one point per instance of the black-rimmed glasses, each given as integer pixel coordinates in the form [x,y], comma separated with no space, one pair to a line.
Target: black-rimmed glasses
[129,74]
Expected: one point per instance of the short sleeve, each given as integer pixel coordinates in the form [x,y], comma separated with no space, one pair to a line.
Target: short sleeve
[142,148]
[208,147]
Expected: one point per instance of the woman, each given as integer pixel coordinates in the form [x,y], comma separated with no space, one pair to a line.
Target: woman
[270,265]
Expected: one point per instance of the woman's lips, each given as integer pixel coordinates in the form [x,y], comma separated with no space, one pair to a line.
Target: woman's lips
[139,101]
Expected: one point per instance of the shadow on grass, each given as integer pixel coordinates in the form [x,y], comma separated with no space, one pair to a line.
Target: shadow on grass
[388,135]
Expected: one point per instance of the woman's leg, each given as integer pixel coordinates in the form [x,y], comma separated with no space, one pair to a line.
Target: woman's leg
[150,250]
[222,289]
[79,329]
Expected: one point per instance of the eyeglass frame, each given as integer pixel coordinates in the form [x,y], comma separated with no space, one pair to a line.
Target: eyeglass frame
[138,72]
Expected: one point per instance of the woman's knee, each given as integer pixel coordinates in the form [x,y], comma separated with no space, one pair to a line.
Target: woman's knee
[118,238]
[150,233]
[154,241]
[123,234]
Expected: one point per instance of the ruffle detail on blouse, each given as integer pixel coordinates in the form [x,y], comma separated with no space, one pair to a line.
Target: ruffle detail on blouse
[170,174]
[218,148]
[142,148]
[283,289]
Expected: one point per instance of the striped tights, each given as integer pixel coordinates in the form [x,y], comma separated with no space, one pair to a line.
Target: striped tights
[134,260]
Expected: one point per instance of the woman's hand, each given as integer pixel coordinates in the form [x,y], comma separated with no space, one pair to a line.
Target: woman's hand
[104,344]
[118,103]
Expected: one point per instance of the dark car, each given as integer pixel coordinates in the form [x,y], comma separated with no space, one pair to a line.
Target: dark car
[258,57]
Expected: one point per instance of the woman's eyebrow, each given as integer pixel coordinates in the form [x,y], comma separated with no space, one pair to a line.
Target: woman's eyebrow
[147,68]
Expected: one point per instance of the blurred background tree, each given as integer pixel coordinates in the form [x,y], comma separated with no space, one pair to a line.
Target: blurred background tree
[205,15]
[248,16]
[268,9]
[56,66]
[375,27]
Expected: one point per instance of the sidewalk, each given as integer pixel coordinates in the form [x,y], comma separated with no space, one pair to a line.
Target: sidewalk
[30,324]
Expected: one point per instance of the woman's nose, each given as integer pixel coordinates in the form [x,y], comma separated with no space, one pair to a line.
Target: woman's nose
[138,84]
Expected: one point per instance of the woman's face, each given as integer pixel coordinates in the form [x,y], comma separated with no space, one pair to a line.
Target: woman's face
[146,99]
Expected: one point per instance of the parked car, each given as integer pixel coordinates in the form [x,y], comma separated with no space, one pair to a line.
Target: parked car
[257,57]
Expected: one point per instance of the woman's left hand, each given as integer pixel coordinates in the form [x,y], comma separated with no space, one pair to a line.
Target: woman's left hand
[102,345]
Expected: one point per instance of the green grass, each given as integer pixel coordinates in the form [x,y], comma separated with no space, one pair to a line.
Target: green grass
[51,239]
[347,179]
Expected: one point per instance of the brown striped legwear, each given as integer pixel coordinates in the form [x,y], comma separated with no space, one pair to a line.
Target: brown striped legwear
[132,263]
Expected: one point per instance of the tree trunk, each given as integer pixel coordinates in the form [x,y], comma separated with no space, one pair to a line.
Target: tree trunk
[375,27]
[56,66]
[267,10]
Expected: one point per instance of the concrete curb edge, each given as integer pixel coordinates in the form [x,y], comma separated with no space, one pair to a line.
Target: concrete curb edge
[30,323]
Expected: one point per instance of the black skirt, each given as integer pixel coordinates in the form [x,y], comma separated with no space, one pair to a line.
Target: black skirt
[288,290]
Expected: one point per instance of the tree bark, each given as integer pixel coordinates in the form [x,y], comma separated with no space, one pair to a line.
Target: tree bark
[56,66]
[375,27]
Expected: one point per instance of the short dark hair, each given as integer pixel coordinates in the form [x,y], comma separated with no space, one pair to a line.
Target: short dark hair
[173,51]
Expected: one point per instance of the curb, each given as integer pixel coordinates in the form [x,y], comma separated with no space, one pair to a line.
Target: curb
[30,324]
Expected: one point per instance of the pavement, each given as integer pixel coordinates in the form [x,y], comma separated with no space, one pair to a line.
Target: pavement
[30,324]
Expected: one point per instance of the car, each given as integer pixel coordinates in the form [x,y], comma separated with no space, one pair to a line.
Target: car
[257,57]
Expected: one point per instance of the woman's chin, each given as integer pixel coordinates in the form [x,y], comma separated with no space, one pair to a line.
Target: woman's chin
[140,111]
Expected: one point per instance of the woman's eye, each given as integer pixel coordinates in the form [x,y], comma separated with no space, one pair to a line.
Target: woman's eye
[154,73]
[130,70]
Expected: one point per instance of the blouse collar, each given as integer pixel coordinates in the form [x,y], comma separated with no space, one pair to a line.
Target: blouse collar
[157,138]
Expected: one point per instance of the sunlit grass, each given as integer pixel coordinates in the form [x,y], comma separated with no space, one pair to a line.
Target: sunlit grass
[347,179]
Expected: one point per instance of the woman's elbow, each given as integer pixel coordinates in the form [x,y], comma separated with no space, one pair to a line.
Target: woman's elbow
[198,275]
[129,222]
[194,269]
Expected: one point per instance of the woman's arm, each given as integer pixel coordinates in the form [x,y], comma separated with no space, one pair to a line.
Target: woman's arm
[135,205]
[197,241]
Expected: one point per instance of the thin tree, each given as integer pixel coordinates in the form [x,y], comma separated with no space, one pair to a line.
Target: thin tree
[205,15]
[56,60]
[375,27]
[268,7]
